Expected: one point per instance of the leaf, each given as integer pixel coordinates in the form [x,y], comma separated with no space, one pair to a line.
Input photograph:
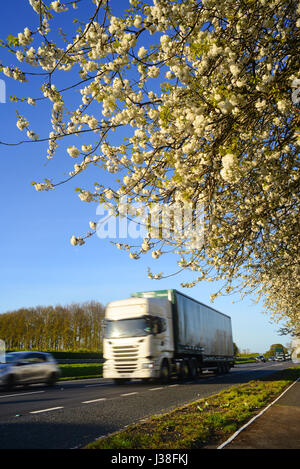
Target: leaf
[12,40]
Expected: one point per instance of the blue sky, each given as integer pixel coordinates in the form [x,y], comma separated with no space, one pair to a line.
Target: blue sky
[38,264]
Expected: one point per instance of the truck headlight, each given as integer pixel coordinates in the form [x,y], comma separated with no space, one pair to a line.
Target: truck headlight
[148,365]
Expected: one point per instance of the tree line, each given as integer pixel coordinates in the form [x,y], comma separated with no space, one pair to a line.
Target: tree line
[75,327]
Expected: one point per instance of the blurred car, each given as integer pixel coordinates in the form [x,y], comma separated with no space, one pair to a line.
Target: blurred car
[22,368]
[271,359]
[260,358]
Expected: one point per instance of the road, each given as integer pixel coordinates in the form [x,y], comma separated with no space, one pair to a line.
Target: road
[75,413]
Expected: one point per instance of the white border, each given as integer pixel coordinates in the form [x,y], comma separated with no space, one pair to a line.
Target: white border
[254,418]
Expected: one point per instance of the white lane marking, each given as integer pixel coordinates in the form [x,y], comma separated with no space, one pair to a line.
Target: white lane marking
[94,400]
[93,385]
[45,410]
[21,394]
[129,394]
[173,385]
[155,389]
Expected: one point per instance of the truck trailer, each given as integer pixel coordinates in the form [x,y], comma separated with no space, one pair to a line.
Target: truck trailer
[164,333]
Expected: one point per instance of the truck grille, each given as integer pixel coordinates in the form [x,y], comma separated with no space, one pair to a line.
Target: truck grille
[125,358]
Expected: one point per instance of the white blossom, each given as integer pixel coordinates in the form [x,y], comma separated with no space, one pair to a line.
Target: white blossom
[58,7]
[142,52]
[93,225]
[156,254]
[73,151]
[31,101]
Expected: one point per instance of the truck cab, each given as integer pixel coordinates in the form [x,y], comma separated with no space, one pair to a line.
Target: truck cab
[138,337]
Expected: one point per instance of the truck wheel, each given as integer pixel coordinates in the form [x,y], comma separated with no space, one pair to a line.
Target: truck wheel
[51,381]
[10,382]
[183,370]
[193,369]
[164,376]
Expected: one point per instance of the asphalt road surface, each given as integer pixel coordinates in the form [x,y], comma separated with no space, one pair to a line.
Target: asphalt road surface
[75,413]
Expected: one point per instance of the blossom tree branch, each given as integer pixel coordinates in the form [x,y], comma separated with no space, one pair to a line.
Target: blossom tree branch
[205,90]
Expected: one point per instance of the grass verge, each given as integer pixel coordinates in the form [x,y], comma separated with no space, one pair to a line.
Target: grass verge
[80,371]
[207,422]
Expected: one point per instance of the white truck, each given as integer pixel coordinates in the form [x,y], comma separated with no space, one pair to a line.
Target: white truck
[160,334]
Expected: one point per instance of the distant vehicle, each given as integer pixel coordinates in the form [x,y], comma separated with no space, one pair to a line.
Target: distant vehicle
[279,354]
[271,359]
[22,368]
[260,358]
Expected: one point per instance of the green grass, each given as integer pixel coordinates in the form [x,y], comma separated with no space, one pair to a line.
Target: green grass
[80,371]
[245,361]
[206,422]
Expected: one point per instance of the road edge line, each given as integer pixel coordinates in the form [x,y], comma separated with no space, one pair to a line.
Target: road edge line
[255,417]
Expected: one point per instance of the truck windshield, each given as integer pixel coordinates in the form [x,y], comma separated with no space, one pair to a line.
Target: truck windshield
[134,327]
